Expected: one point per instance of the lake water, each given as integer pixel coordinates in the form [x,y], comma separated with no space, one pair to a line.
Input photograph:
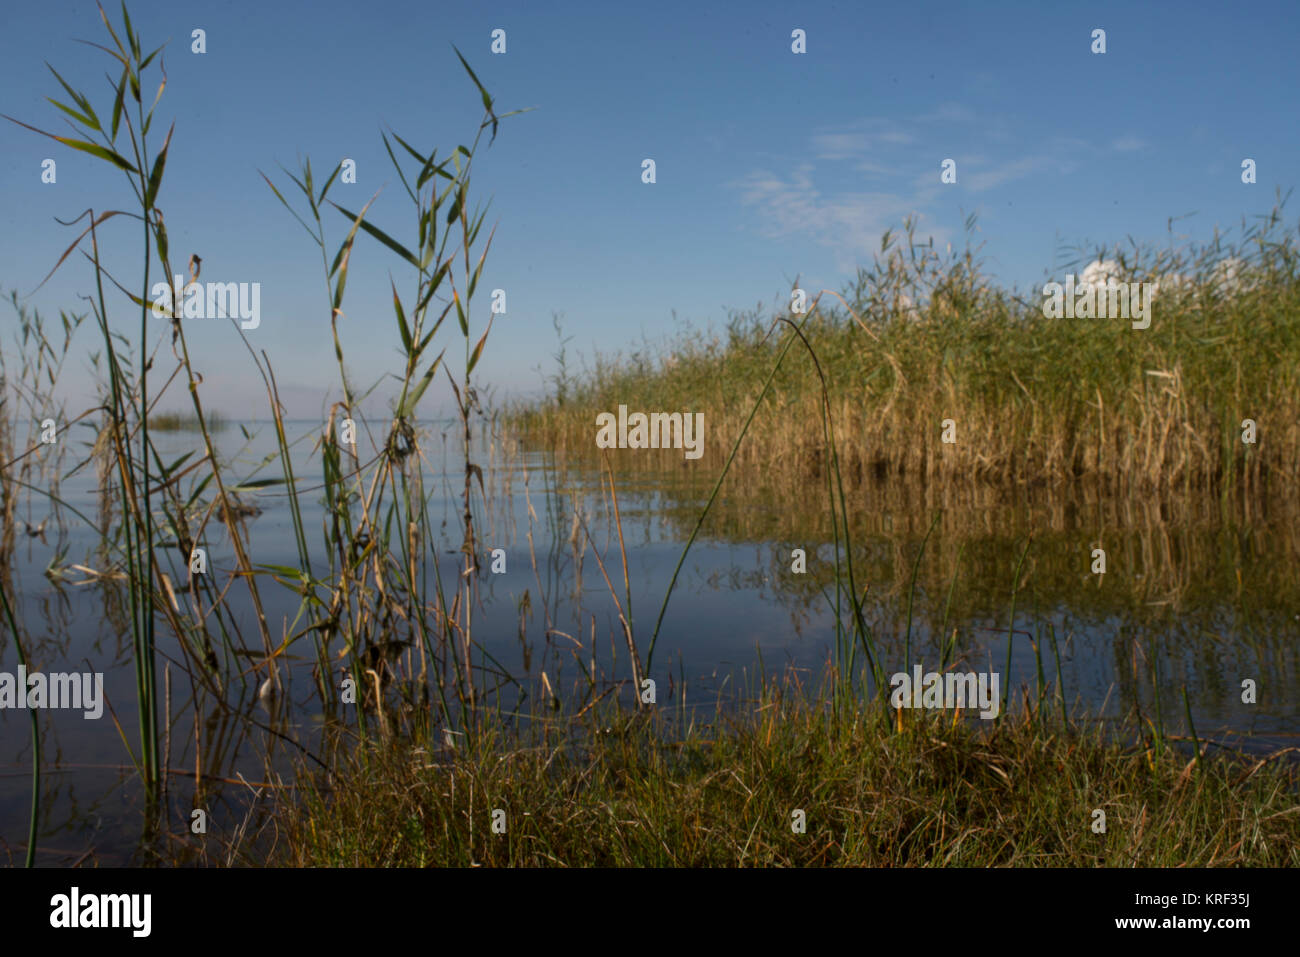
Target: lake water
[1202,593]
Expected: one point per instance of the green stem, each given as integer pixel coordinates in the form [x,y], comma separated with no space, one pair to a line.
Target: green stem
[699,523]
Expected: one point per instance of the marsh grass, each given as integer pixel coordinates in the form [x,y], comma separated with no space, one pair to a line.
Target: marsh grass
[720,790]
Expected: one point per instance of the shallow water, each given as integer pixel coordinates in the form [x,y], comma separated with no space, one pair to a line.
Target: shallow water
[1201,593]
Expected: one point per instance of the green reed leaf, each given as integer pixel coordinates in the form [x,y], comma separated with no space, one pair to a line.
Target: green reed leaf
[117,104]
[291,210]
[382,236]
[478,349]
[328,183]
[402,327]
[95,150]
[155,177]
[80,118]
[413,397]
[345,253]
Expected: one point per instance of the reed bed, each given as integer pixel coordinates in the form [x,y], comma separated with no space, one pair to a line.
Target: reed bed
[921,337]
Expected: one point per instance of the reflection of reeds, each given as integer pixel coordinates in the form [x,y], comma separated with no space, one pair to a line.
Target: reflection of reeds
[1181,551]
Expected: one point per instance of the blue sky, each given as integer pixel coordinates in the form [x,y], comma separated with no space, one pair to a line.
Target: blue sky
[769,164]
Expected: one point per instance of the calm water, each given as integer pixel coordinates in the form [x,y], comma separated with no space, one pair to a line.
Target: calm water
[1202,593]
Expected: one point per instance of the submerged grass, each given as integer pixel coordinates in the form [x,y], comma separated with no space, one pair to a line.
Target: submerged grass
[643,791]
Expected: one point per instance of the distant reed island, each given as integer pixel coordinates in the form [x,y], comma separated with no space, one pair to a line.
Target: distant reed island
[188,422]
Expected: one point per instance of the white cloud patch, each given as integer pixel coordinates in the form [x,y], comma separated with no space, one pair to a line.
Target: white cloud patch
[982,179]
[850,224]
[875,149]
[949,113]
[858,139]
[874,169]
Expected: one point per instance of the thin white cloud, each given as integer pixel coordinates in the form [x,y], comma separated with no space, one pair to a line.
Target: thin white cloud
[850,224]
[875,169]
[838,146]
[982,179]
[858,139]
[949,113]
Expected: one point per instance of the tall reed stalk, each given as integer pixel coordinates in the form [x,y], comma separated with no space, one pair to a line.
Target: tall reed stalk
[391,495]
[129,399]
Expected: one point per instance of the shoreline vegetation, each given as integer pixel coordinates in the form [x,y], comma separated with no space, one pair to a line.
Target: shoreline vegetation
[425,736]
[876,789]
